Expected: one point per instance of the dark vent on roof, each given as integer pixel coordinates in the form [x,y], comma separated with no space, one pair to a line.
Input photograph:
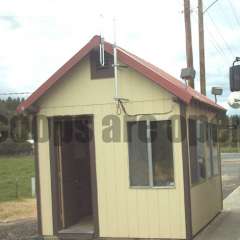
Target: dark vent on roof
[98,71]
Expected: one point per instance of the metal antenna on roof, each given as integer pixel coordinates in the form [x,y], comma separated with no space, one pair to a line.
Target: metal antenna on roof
[115,64]
[101,45]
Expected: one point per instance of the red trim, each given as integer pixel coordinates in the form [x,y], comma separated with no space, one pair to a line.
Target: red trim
[58,74]
[174,86]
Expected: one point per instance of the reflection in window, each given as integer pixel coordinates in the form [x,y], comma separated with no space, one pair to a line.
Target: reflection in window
[150,153]
[197,140]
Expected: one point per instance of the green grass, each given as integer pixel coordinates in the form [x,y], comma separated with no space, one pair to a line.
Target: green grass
[12,168]
[229,149]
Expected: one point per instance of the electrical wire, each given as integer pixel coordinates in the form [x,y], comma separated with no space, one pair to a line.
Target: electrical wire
[213,41]
[220,34]
[234,13]
[210,6]
[15,93]
[121,108]
[216,45]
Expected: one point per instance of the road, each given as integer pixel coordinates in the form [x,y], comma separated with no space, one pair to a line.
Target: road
[230,172]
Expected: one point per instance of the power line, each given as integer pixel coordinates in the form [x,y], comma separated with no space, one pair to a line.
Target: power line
[210,6]
[214,42]
[220,34]
[15,93]
[234,12]
[228,18]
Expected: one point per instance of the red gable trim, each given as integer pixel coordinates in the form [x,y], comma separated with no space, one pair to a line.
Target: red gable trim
[174,86]
[58,74]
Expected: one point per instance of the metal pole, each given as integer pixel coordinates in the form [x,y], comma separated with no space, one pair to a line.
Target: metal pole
[16,183]
[189,52]
[115,60]
[201,47]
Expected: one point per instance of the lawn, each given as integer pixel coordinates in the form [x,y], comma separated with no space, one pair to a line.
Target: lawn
[230,149]
[14,169]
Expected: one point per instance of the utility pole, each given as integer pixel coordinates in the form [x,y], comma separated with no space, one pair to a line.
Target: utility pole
[201,47]
[189,52]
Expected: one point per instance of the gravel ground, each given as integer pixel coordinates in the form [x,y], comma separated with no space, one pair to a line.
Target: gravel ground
[18,230]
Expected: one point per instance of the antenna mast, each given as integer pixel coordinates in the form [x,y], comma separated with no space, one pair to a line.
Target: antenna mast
[115,64]
[101,45]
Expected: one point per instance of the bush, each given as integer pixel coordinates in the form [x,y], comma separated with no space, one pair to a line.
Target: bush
[9,147]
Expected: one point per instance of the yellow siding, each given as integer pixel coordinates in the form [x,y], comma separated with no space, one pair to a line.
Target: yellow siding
[45,177]
[123,211]
[206,197]
[206,202]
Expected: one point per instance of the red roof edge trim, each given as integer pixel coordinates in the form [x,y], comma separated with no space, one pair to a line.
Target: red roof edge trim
[150,73]
[58,74]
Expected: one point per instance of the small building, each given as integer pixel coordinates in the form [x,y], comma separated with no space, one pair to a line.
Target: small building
[143,166]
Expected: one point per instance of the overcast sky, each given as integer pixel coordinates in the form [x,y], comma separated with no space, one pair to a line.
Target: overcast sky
[37,37]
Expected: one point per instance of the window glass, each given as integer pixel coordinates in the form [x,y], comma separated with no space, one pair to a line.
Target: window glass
[209,164]
[197,140]
[138,155]
[150,153]
[215,155]
[162,153]
[201,140]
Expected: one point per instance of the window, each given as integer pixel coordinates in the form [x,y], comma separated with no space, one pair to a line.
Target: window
[150,153]
[204,157]
[214,145]
[197,139]
[209,163]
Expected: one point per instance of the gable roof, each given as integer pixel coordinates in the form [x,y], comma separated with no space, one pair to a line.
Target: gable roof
[163,79]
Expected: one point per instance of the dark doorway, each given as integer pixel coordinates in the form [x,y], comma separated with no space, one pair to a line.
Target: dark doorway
[73,141]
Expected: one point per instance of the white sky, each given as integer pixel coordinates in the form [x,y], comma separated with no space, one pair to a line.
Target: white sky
[37,37]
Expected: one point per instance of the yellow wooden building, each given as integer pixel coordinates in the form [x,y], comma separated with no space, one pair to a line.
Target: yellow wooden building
[145,166]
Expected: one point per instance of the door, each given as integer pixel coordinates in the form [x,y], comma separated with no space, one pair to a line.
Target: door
[75,177]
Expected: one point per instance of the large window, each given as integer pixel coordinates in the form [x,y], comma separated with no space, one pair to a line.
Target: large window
[204,157]
[150,153]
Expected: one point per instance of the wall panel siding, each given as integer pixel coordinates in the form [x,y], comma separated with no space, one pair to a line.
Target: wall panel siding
[45,177]
[206,202]
[206,197]
[123,211]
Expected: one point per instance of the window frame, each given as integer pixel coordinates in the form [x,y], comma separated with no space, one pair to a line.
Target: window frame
[202,180]
[149,154]
[210,141]
[218,152]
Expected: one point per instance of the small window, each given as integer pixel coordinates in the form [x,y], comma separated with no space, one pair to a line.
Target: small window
[197,140]
[97,70]
[150,153]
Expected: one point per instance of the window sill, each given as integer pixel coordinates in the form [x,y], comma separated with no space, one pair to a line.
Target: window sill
[153,187]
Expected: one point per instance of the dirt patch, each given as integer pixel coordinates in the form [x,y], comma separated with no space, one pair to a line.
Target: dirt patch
[16,210]
[18,230]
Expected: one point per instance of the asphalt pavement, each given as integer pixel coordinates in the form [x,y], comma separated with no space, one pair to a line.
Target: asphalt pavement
[230,172]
